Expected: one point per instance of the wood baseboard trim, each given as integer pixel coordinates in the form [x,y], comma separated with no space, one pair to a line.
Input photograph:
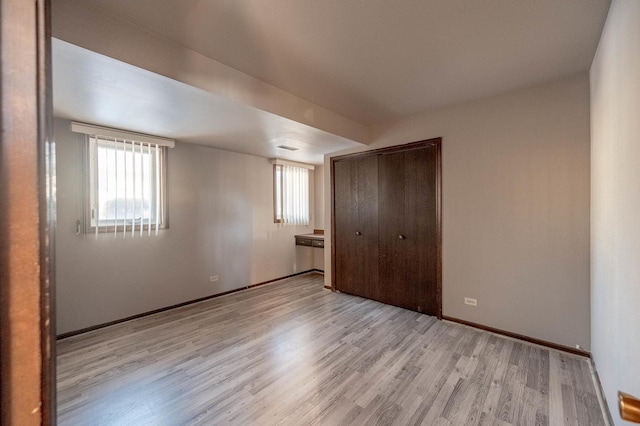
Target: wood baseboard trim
[328,287]
[178,305]
[519,337]
[308,271]
[604,406]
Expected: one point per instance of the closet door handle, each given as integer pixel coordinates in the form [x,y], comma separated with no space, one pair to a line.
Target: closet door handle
[358,233]
[402,237]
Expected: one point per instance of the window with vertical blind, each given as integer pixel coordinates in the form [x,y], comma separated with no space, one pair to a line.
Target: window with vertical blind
[291,193]
[125,177]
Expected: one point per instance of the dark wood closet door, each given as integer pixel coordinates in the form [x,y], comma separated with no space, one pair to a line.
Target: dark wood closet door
[356,226]
[407,229]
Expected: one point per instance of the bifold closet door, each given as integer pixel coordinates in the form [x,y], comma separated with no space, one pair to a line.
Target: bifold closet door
[356,226]
[407,229]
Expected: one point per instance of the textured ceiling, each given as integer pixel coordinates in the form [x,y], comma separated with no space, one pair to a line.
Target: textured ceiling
[378,60]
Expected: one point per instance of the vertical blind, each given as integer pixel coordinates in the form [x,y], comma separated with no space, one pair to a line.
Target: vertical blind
[292,195]
[126,186]
[124,178]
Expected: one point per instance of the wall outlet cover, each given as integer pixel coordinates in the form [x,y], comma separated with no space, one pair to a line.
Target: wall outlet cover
[470,301]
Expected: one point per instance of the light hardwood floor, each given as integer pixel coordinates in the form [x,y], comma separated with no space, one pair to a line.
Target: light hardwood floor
[293,353]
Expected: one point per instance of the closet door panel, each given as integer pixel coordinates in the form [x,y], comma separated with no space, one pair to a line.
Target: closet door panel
[408,250]
[420,222]
[356,204]
[393,260]
[367,256]
[345,207]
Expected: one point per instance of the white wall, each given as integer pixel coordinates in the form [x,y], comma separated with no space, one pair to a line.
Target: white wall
[221,223]
[515,207]
[615,203]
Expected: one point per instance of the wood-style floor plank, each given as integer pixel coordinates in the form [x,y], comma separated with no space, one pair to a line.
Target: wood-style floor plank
[293,353]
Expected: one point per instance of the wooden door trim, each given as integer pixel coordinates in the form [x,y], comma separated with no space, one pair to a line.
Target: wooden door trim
[438,145]
[47,207]
[27,211]
[333,224]
[389,149]
[437,142]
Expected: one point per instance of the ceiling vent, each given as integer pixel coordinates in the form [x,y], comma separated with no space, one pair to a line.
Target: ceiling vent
[288,148]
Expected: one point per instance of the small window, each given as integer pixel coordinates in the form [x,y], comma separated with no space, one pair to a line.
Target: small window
[291,194]
[126,186]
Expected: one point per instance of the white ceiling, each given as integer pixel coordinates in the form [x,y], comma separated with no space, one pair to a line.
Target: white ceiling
[378,60]
[96,89]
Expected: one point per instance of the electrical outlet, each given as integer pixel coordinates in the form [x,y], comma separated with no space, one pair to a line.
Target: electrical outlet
[470,301]
[213,278]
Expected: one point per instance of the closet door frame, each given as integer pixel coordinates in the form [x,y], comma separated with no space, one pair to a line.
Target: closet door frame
[435,142]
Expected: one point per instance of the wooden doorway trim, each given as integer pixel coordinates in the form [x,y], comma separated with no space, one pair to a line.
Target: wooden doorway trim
[27,214]
[437,142]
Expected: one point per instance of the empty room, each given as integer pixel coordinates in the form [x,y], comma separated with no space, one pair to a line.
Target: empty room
[341,212]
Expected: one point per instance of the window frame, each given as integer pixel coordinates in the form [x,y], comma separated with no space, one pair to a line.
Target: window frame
[276,200]
[89,174]
[279,183]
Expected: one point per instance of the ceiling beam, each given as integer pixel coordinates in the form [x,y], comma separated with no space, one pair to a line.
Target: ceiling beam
[84,25]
